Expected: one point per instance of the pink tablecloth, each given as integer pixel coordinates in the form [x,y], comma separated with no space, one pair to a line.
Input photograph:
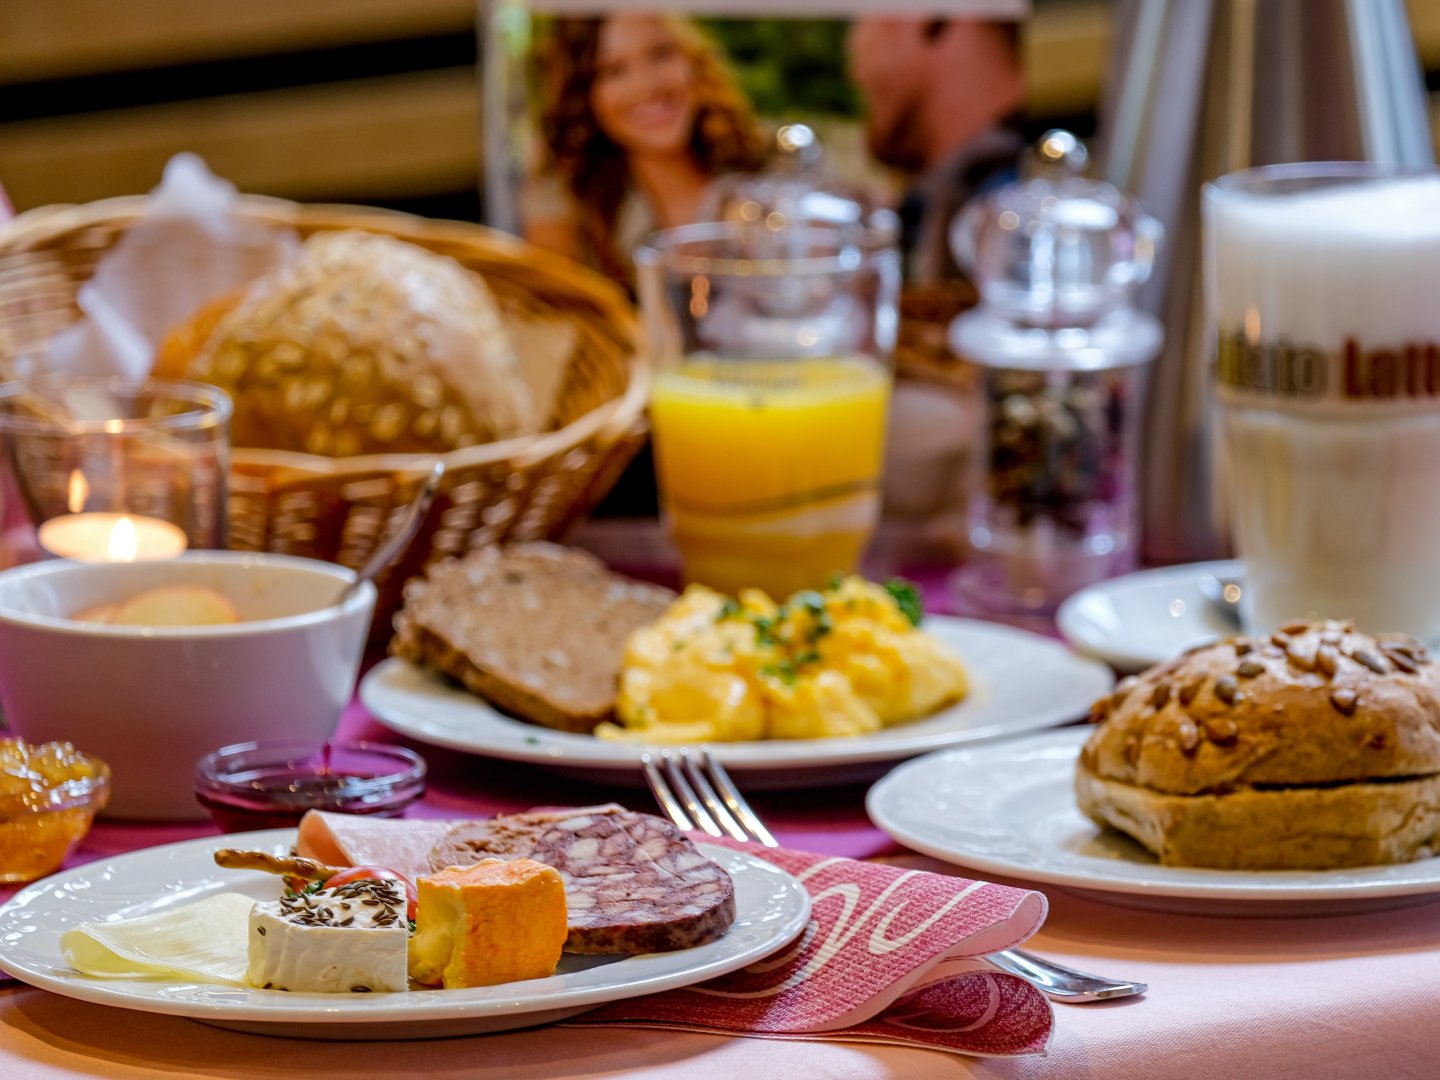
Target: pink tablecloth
[1230,999]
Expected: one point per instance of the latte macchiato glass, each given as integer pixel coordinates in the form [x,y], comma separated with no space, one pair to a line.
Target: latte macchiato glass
[1323,288]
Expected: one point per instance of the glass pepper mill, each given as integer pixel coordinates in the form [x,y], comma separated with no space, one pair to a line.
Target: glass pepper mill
[1061,359]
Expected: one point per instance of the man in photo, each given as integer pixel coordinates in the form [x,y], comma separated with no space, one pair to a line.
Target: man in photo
[944,97]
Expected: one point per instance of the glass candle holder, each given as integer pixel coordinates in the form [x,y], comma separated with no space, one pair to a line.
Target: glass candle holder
[108,470]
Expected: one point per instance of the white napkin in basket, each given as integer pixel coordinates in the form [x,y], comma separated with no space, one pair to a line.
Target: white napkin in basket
[187,249]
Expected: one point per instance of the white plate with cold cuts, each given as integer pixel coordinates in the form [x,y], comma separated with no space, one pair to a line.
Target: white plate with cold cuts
[1019,682]
[771,910]
[1009,809]
[1138,620]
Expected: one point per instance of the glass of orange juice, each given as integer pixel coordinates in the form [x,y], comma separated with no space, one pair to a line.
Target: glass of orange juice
[770,397]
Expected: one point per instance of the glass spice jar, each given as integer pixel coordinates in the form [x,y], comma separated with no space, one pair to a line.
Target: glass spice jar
[1062,359]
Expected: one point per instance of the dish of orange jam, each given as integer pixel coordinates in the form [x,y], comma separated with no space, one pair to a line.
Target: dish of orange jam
[49,794]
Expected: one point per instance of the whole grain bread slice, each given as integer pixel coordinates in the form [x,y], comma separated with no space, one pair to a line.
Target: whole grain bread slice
[537,629]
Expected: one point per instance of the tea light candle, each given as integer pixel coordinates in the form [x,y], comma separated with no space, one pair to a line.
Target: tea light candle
[106,537]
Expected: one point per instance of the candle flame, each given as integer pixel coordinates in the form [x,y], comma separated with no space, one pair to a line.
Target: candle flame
[123,545]
[79,491]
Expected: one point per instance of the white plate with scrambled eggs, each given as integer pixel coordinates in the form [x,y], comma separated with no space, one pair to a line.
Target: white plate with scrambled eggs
[1012,681]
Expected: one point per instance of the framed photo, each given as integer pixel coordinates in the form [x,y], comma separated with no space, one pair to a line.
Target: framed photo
[608,119]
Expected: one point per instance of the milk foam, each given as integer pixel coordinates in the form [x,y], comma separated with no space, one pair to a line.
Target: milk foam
[1359,260]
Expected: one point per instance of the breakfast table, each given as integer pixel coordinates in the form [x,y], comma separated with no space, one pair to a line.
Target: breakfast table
[1315,997]
[1229,997]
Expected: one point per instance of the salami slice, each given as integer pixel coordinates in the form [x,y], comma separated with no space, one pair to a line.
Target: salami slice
[633,883]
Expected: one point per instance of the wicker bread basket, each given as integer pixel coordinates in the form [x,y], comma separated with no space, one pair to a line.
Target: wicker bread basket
[525,488]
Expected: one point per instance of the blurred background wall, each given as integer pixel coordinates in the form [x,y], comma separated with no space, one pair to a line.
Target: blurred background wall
[366,101]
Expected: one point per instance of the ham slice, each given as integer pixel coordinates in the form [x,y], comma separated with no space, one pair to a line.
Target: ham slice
[402,845]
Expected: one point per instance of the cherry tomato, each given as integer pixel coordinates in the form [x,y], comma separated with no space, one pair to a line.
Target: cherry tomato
[377,873]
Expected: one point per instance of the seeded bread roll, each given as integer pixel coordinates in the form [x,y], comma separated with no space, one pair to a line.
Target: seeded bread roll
[361,344]
[1316,747]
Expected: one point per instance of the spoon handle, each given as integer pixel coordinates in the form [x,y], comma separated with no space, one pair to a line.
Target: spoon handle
[395,541]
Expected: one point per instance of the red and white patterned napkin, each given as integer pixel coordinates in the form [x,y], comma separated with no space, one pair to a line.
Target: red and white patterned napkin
[890,956]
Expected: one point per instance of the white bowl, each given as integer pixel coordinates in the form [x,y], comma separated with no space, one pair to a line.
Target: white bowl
[150,701]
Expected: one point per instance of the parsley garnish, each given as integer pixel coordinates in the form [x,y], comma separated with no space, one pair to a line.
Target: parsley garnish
[783,670]
[728,610]
[787,670]
[310,889]
[906,598]
[810,601]
[813,604]
[765,630]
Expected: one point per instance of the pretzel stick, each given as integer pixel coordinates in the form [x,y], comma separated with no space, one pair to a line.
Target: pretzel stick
[289,865]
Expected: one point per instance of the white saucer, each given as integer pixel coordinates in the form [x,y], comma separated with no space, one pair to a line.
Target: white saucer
[1146,618]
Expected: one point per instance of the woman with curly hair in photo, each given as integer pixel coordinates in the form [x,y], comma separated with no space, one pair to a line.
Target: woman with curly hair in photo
[637,115]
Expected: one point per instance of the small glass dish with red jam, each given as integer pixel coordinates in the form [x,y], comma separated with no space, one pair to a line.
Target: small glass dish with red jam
[49,795]
[270,785]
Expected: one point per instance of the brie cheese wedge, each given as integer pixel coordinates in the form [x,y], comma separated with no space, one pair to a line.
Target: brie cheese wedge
[353,938]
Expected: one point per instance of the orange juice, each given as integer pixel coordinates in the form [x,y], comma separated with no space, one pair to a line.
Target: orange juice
[770,470]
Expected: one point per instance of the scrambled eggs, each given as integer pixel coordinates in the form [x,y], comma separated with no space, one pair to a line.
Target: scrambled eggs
[845,661]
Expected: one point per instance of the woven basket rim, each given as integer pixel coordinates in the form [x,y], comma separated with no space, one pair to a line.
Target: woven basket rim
[55,218]
[31,229]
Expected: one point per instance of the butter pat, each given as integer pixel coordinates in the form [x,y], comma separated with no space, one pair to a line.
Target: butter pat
[349,939]
[494,922]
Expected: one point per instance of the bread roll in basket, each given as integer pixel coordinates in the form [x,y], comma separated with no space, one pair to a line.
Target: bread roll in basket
[362,344]
[528,487]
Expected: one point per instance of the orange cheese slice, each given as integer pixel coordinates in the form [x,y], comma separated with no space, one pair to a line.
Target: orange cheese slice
[493,922]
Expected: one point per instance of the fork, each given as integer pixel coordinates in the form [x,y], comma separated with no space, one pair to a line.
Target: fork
[695,792]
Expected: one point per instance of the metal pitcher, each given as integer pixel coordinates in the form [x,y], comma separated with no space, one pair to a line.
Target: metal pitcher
[1201,88]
